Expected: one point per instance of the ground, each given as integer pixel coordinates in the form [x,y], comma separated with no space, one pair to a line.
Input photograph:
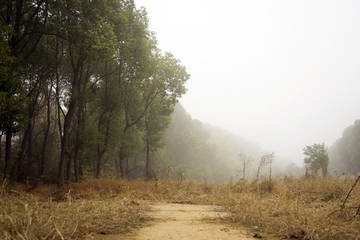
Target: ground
[185,221]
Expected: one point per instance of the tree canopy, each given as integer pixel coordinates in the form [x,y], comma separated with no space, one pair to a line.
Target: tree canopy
[317,158]
[68,66]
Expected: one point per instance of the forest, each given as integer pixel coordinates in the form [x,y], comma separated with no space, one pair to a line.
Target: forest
[344,153]
[83,84]
[85,91]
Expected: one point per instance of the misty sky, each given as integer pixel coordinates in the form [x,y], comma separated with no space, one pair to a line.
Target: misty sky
[283,73]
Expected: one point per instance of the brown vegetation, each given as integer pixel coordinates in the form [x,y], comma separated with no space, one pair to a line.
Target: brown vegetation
[313,208]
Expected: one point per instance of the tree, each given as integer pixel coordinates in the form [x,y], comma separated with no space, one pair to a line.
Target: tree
[245,161]
[345,152]
[80,79]
[156,120]
[89,40]
[22,23]
[6,93]
[271,157]
[165,81]
[265,159]
[187,145]
[317,158]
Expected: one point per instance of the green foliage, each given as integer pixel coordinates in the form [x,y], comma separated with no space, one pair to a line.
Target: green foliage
[109,172]
[6,59]
[10,88]
[317,158]
[88,89]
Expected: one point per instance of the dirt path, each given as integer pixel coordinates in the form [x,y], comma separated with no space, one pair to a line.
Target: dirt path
[183,221]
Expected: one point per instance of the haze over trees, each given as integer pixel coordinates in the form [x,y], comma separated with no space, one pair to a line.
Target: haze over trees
[81,79]
[85,91]
[345,152]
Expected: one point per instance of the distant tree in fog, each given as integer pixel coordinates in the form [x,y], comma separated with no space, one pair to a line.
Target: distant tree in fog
[265,159]
[317,158]
[245,162]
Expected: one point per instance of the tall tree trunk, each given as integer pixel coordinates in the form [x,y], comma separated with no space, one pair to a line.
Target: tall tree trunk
[98,166]
[122,167]
[76,158]
[77,143]
[117,168]
[101,152]
[65,144]
[42,162]
[75,93]
[7,154]
[81,172]
[29,155]
[1,150]
[19,161]
[148,172]
[127,169]
[68,169]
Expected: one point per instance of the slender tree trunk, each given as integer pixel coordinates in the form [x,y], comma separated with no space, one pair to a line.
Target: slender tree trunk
[117,168]
[65,144]
[101,152]
[29,155]
[19,160]
[98,166]
[77,144]
[135,164]
[1,151]
[122,167]
[43,150]
[127,169]
[81,172]
[68,169]
[7,154]
[148,173]
[76,158]
[75,93]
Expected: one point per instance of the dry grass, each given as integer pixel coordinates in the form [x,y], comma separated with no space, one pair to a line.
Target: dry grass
[95,206]
[76,211]
[286,207]
[299,208]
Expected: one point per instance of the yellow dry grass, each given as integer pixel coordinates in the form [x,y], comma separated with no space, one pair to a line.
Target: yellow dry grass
[286,207]
[299,208]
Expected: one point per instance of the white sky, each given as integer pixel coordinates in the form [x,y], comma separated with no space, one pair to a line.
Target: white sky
[283,73]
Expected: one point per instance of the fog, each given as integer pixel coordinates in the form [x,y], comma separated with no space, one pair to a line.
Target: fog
[282,73]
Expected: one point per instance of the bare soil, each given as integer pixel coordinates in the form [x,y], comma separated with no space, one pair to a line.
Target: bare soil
[185,221]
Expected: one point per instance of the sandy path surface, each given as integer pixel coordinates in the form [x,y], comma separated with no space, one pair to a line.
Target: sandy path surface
[183,221]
